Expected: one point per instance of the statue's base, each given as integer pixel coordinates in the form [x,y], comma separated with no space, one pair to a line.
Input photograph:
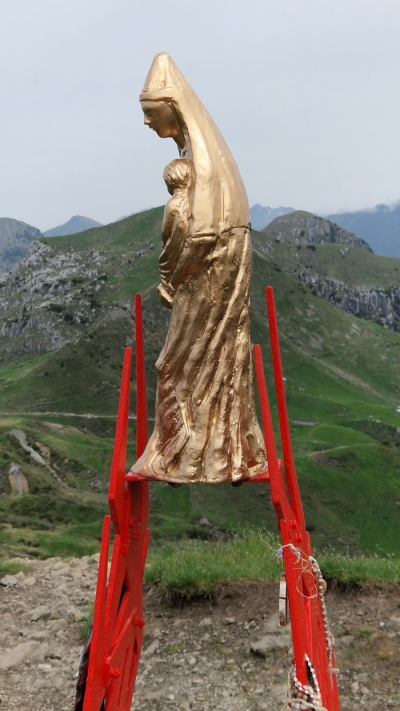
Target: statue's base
[259,479]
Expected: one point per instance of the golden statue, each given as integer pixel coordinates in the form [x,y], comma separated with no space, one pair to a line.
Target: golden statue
[206,428]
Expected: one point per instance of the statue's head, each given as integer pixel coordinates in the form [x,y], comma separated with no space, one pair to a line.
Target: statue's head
[161,117]
[178,174]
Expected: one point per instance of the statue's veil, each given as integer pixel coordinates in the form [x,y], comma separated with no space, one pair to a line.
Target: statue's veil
[219,200]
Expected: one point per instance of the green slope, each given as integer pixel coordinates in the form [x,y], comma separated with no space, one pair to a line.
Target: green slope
[342,373]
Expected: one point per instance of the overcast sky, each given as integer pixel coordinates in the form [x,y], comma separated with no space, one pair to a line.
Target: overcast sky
[305,92]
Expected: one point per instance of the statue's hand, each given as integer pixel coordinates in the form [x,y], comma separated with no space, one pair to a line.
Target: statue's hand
[166,294]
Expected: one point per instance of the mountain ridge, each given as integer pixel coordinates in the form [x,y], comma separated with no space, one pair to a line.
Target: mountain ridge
[77,223]
[379,226]
[261,216]
[302,227]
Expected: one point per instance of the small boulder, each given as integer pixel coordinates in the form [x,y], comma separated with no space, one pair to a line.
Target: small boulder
[17,479]
[40,613]
[25,652]
[8,581]
[270,642]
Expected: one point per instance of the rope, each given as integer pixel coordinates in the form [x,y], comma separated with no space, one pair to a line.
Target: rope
[307,562]
[303,697]
[299,705]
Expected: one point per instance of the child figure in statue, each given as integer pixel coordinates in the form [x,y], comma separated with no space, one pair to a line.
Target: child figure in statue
[178,176]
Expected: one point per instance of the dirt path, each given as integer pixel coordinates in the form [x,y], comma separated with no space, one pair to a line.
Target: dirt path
[196,657]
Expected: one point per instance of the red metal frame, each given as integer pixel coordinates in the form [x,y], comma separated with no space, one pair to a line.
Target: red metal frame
[108,672]
[308,632]
[117,632]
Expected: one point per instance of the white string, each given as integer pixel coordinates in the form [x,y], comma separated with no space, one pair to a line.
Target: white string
[300,705]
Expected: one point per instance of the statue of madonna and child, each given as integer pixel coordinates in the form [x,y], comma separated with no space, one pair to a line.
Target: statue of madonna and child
[206,429]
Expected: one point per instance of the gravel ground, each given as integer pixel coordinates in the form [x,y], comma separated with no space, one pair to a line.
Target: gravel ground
[222,655]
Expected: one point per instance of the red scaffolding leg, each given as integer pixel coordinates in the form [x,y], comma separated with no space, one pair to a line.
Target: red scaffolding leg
[112,655]
[314,663]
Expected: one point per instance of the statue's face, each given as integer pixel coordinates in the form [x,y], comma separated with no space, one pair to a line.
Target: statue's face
[159,116]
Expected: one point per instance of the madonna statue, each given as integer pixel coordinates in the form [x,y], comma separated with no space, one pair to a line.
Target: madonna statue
[206,428]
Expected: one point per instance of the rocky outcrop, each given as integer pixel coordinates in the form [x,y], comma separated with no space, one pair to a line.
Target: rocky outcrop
[17,479]
[15,240]
[47,295]
[368,302]
[20,437]
[56,292]
[302,227]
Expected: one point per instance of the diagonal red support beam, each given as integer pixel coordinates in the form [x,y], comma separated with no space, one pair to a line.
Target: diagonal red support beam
[288,459]
[307,615]
[141,398]
[278,493]
[117,635]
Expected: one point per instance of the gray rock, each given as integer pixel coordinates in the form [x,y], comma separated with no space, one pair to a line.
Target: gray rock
[154,695]
[9,581]
[40,613]
[206,622]
[39,636]
[345,641]
[363,677]
[29,652]
[17,479]
[271,625]
[28,582]
[279,693]
[151,649]
[270,642]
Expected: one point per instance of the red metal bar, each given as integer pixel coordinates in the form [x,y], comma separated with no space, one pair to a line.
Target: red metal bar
[288,459]
[278,493]
[118,465]
[141,398]
[306,612]
[118,617]
[93,688]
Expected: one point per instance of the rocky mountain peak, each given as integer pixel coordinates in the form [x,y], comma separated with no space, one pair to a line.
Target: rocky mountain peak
[300,227]
[15,239]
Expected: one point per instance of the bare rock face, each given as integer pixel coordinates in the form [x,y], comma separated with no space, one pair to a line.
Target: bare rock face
[47,295]
[367,302]
[15,239]
[302,227]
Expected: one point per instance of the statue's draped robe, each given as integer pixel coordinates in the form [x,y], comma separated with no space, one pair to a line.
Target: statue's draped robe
[206,428]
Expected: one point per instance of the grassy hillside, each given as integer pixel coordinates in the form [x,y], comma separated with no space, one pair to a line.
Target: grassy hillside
[342,373]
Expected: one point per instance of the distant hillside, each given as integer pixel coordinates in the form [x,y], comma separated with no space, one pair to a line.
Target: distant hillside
[73,226]
[66,315]
[302,227]
[137,212]
[261,216]
[380,226]
[334,264]
[15,240]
